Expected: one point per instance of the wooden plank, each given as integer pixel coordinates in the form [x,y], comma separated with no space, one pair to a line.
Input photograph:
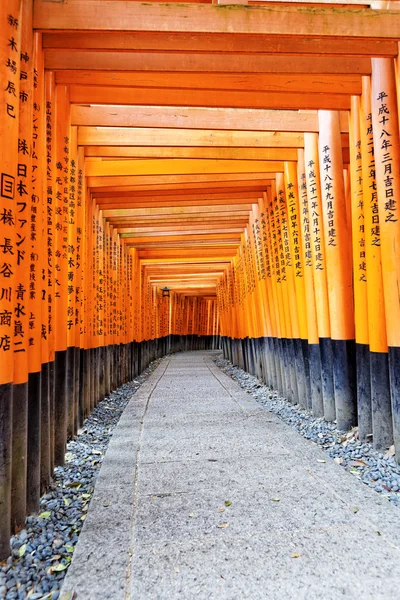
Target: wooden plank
[182,225]
[187,231]
[186,218]
[87,94]
[159,267]
[205,63]
[184,191]
[182,188]
[204,216]
[157,180]
[305,83]
[168,210]
[221,43]
[188,198]
[188,237]
[175,152]
[139,167]
[114,203]
[117,15]
[190,254]
[125,136]
[198,118]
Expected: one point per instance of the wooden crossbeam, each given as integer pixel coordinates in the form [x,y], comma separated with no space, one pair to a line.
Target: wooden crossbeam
[206,63]
[193,186]
[118,15]
[176,231]
[171,152]
[225,43]
[156,180]
[172,198]
[198,118]
[169,210]
[304,83]
[125,136]
[181,97]
[139,167]
[173,254]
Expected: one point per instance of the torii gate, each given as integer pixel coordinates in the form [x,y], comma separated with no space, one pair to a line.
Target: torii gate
[243,156]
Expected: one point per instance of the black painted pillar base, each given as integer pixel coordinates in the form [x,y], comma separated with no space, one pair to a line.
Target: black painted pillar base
[344,370]
[70,391]
[394,371]
[277,359]
[300,373]
[364,412]
[6,414]
[291,355]
[45,447]
[77,420]
[34,442]
[19,452]
[60,406]
[307,380]
[52,403]
[328,388]
[381,406]
[314,361]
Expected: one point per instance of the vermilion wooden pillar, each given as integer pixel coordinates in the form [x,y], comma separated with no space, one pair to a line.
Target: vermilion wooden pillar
[315,215]
[385,123]
[339,268]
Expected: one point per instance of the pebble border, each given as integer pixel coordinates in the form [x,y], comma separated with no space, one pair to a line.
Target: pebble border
[376,469]
[41,553]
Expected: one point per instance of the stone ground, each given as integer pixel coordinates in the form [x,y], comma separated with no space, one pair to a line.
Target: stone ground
[205,494]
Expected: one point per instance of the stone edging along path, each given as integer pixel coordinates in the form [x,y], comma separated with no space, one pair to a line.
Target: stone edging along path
[42,552]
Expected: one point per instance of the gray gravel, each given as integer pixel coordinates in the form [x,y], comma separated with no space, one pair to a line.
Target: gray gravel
[41,553]
[376,469]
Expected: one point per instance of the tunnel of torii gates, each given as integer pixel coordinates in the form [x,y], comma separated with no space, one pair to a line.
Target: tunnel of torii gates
[246,158]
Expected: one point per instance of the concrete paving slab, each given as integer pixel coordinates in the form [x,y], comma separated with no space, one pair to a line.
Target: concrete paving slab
[264,567]
[208,447]
[203,494]
[239,473]
[179,517]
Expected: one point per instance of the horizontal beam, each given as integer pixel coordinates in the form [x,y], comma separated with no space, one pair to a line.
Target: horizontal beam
[157,180]
[169,210]
[158,268]
[182,225]
[222,43]
[182,188]
[170,199]
[199,118]
[87,94]
[204,63]
[304,83]
[124,136]
[189,255]
[189,231]
[180,192]
[175,152]
[104,204]
[186,220]
[189,237]
[139,167]
[117,15]
[155,220]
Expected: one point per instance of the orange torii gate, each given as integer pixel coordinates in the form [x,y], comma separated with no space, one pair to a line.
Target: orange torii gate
[173,173]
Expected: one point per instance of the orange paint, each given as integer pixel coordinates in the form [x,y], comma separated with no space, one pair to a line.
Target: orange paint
[387,166]
[336,233]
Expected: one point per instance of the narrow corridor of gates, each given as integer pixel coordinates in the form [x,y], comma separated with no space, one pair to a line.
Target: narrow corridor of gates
[194,177]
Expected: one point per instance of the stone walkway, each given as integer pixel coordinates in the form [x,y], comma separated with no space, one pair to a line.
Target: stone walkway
[204,494]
